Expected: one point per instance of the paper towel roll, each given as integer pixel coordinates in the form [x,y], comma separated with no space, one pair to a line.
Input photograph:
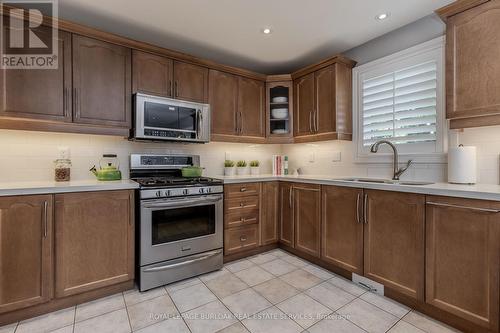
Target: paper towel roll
[462,165]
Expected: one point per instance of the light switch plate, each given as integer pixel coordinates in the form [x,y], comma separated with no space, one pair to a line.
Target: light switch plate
[336,156]
[311,157]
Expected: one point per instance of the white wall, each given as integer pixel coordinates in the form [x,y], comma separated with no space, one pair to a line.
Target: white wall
[29,155]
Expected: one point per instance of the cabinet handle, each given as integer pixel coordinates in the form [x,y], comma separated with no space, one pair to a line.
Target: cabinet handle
[45,218]
[243,189]
[242,220]
[310,122]
[290,197]
[476,209]
[242,204]
[358,199]
[365,208]
[315,121]
[170,87]
[241,122]
[243,238]
[65,102]
[176,88]
[76,100]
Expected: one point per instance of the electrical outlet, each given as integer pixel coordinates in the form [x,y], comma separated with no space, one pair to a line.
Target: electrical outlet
[336,156]
[64,152]
[311,157]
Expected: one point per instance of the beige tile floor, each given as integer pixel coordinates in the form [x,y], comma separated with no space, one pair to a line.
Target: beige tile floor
[271,292]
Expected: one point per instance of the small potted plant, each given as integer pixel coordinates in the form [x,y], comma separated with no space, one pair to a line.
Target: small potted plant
[254,168]
[229,168]
[241,168]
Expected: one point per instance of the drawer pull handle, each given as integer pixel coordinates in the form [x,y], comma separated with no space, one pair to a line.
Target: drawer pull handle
[242,204]
[243,238]
[476,209]
[242,219]
[243,189]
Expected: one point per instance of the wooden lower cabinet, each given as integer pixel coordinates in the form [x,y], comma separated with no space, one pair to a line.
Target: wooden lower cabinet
[342,227]
[270,213]
[241,217]
[241,238]
[94,237]
[26,262]
[463,258]
[394,241]
[286,228]
[307,217]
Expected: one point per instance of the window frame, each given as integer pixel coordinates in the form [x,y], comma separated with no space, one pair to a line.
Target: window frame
[433,50]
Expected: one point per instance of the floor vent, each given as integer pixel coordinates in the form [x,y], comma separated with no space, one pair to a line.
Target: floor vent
[368,284]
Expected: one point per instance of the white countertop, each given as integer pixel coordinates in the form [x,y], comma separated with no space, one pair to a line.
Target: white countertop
[478,191]
[51,187]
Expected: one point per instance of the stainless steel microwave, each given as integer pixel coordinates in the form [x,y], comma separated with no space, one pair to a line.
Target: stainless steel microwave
[158,118]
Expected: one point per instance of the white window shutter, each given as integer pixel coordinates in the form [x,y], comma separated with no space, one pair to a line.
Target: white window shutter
[400,106]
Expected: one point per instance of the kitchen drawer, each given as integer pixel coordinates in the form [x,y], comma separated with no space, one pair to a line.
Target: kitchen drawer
[241,190]
[243,217]
[241,204]
[241,238]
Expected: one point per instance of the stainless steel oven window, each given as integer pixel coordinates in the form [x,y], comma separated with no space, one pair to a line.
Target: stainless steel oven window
[170,225]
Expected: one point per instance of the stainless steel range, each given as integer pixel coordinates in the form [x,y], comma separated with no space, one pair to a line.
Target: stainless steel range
[180,219]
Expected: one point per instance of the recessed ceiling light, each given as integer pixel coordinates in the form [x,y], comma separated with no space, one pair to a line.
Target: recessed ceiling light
[266,31]
[382,16]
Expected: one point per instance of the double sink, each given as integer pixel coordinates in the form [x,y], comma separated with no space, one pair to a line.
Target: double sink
[384,181]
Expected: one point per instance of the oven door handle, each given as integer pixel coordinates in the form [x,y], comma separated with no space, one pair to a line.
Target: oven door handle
[183,263]
[181,203]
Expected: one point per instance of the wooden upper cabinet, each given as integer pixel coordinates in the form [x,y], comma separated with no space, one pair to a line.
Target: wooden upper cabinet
[342,227]
[26,251]
[152,74]
[304,105]
[190,82]
[462,258]
[324,116]
[472,66]
[286,229]
[394,241]
[270,209]
[307,216]
[39,93]
[223,100]
[94,240]
[251,107]
[101,83]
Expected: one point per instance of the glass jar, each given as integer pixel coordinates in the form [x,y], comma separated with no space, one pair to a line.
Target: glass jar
[62,170]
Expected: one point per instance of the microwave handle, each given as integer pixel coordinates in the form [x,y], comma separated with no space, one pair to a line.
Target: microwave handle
[199,129]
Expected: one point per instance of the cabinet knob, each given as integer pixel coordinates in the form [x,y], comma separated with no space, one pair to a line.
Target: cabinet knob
[243,189]
[243,238]
[242,204]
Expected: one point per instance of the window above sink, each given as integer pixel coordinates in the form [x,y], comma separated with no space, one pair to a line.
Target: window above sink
[401,98]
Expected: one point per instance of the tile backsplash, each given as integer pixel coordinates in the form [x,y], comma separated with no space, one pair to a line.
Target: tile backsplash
[29,156]
[486,139]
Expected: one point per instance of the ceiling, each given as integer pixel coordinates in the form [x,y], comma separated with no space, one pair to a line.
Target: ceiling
[230,31]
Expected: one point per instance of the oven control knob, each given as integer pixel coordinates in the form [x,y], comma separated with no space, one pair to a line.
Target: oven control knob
[185,191]
[158,194]
[209,190]
[167,193]
[201,190]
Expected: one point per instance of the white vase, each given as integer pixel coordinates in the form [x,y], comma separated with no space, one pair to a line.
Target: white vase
[229,171]
[241,171]
[255,171]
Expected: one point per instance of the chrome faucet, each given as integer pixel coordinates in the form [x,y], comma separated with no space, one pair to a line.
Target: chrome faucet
[397,171]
